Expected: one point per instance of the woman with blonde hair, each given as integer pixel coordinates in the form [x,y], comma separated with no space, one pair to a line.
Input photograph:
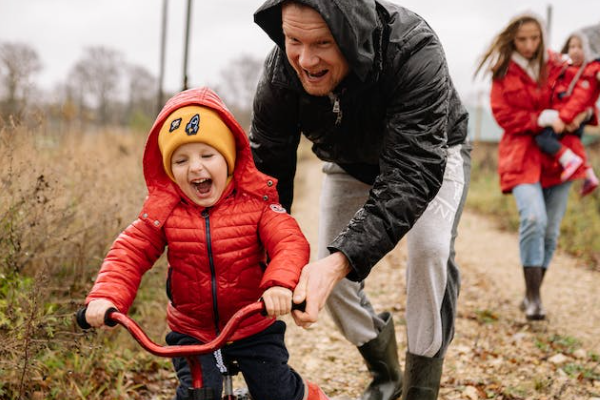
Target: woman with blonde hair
[523,72]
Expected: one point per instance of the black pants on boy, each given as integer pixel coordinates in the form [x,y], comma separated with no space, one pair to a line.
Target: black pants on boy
[262,359]
[549,141]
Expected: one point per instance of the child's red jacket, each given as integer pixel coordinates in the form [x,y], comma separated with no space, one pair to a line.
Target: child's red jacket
[217,255]
[584,94]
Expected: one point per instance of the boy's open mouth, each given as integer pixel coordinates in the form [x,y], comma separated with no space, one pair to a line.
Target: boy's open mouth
[202,185]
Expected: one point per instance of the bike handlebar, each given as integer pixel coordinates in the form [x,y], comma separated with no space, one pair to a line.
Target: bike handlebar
[114,317]
[83,324]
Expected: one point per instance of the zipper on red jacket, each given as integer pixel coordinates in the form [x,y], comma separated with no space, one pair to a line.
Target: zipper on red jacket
[211,263]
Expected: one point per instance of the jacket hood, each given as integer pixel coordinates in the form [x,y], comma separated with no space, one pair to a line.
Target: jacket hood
[592,34]
[353,24]
[164,194]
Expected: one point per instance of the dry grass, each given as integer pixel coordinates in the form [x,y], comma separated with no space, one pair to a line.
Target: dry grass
[62,196]
[64,199]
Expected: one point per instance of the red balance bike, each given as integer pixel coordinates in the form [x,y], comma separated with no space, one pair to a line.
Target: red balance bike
[189,352]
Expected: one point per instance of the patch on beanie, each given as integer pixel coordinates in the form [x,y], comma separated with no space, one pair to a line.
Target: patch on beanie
[192,127]
[175,124]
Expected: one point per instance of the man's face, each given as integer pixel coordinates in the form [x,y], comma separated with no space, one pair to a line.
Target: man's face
[311,50]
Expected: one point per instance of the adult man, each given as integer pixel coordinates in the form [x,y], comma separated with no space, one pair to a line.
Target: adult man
[368,84]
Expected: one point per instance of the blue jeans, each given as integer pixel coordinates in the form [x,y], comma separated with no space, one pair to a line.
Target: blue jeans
[541,212]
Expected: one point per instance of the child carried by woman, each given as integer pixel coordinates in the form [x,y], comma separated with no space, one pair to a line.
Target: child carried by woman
[574,96]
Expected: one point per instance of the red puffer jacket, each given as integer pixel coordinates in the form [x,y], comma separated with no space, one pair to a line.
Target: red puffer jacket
[517,101]
[216,255]
[584,95]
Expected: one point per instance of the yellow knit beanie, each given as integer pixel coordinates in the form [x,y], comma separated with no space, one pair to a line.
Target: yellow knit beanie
[195,124]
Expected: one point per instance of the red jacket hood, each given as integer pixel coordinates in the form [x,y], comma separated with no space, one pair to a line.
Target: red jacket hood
[165,193]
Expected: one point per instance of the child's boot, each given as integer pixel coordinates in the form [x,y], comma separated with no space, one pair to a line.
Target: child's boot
[590,183]
[314,392]
[570,163]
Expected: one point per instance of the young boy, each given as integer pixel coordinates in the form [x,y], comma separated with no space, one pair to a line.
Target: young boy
[220,218]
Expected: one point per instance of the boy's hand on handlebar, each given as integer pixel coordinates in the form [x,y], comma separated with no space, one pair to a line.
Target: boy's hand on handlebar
[278,300]
[96,309]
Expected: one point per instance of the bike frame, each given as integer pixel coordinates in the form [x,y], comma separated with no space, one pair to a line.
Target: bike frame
[189,352]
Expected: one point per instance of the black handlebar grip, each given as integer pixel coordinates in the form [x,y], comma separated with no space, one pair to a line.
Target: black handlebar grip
[107,320]
[83,324]
[299,306]
[80,318]
[295,306]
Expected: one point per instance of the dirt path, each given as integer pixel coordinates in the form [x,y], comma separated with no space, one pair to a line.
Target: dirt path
[489,258]
[495,353]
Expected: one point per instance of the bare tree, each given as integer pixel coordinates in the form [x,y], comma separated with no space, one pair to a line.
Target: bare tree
[18,63]
[238,86]
[63,106]
[142,93]
[99,75]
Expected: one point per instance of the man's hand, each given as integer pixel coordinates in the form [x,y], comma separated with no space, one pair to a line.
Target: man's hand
[278,300]
[317,280]
[95,312]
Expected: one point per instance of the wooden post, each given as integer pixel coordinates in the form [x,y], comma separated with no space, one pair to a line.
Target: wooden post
[161,71]
[187,43]
[548,24]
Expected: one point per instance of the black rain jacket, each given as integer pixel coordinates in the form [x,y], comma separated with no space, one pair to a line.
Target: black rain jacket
[387,124]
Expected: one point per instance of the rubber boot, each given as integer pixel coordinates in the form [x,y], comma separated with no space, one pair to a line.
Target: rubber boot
[314,392]
[523,305]
[534,310]
[381,357]
[422,377]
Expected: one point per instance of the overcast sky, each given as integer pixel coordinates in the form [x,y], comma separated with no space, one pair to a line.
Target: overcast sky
[222,30]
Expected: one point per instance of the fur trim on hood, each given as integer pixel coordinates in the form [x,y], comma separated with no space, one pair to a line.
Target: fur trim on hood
[592,33]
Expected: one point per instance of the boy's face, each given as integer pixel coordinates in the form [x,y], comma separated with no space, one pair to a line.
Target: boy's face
[200,171]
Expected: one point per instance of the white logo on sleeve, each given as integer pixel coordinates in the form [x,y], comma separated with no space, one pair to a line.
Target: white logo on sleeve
[277,208]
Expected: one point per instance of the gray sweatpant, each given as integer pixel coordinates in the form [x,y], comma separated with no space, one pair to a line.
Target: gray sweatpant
[432,276]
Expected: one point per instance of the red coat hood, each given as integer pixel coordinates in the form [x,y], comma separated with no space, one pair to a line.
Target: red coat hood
[165,193]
